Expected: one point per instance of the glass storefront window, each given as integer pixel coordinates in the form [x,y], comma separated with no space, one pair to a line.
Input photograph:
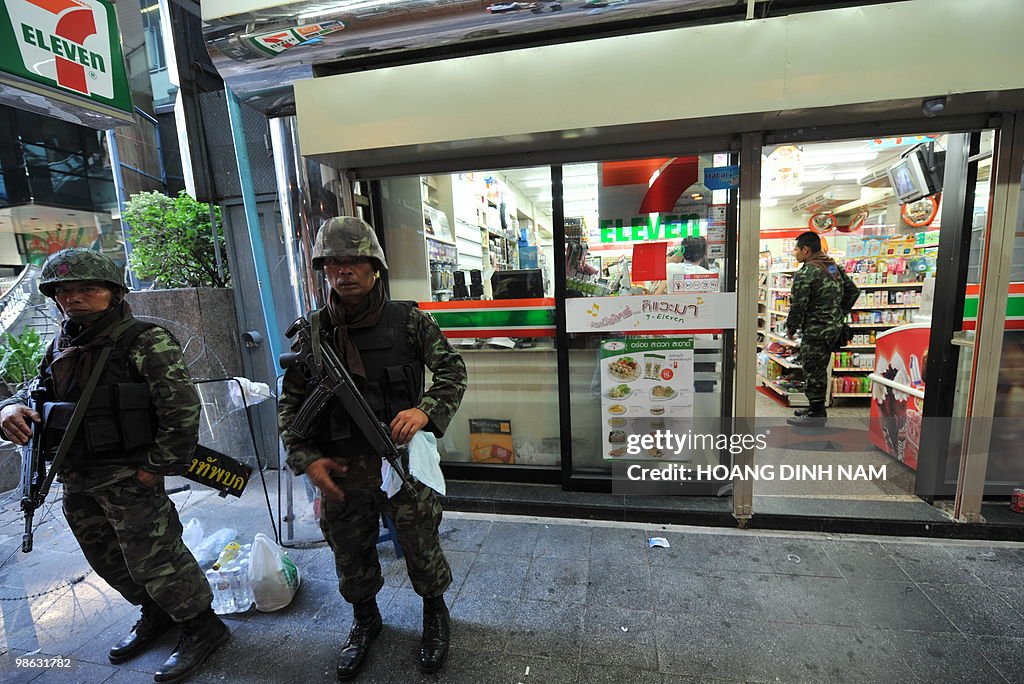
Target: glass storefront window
[475,250]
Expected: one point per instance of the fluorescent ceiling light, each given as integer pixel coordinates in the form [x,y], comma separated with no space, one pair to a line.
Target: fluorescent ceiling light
[769,202]
[809,158]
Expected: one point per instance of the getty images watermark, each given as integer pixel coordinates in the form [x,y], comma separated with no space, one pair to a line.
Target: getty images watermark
[670,443]
[688,459]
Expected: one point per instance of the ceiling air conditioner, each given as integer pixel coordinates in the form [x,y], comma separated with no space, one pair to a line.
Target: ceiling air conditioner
[827,199]
[875,179]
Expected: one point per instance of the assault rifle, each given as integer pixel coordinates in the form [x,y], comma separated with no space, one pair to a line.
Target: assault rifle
[34,483]
[332,379]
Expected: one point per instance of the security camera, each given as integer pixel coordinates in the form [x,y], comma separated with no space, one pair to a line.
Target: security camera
[252,338]
[933,106]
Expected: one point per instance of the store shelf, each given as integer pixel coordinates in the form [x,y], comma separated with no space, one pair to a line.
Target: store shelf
[785,340]
[888,286]
[441,240]
[785,270]
[852,370]
[854,347]
[778,313]
[782,361]
[794,398]
[876,326]
[884,306]
[780,289]
[847,394]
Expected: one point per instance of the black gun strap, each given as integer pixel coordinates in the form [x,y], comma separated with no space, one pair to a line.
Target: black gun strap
[80,408]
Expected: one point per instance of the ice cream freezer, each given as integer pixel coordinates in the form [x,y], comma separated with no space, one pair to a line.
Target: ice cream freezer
[897,391]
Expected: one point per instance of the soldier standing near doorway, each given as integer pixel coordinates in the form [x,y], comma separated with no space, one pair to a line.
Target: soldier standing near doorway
[142,424]
[822,295]
[386,345]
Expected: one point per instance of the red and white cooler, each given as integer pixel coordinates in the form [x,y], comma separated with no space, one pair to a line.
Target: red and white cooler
[897,391]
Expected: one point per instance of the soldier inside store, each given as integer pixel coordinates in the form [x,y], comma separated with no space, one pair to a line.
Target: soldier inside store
[821,297]
[385,345]
[143,424]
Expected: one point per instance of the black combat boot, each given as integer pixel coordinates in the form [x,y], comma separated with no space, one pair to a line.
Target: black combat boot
[147,629]
[814,417]
[436,628]
[366,625]
[200,637]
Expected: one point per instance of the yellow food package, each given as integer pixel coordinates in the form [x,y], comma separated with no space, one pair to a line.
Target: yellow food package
[490,441]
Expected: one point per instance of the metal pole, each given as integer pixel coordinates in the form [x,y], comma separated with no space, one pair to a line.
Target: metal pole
[115,168]
[252,219]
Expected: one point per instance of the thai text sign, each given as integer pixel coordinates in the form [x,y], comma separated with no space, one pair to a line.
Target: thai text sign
[219,471]
[676,312]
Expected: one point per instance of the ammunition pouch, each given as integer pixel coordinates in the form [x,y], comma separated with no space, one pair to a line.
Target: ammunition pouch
[118,422]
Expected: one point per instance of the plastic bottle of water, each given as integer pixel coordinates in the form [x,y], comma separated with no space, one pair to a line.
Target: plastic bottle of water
[220,584]
[240,592]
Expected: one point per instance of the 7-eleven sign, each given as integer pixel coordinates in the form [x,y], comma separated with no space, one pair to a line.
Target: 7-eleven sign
[70,45]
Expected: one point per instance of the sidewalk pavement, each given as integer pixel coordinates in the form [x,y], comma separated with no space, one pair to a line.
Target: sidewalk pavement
[546,600]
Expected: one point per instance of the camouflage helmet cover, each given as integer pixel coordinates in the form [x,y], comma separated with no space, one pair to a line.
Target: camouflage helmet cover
[78,264]
[346,236]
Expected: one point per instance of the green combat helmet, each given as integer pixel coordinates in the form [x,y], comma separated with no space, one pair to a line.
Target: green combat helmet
[346,237]
[78,264]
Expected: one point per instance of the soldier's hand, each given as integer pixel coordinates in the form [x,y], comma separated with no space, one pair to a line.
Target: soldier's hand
[406,424]
[148,479]
[14,421]
[319,473]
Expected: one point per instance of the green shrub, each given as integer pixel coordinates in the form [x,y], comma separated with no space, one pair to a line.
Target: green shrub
[19,361]
[172,243]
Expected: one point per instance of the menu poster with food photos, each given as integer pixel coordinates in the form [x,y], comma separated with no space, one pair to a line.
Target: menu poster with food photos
[646,383]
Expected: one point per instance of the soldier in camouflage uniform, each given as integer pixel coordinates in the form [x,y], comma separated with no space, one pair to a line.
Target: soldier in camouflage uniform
[821,297]
[142,424]
[386,345]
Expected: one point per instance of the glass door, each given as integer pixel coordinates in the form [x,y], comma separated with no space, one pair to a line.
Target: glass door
[647,305]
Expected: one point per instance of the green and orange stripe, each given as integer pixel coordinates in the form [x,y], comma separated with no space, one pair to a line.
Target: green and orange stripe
[494,318]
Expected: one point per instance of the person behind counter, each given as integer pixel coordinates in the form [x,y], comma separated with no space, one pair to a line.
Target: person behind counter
[687,259]
[385,345]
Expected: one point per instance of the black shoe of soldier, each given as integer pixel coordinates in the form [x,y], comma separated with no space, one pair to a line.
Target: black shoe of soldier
[153,624]
[366,626]
[436,634]
[801,412]
[200,637]
[815,416]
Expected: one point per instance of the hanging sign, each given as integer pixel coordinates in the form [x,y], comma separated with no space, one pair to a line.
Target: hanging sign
[722,177]
[68,51]
[649,313]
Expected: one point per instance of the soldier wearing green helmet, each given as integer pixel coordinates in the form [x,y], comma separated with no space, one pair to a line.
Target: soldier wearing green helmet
[143,424]
[386,346]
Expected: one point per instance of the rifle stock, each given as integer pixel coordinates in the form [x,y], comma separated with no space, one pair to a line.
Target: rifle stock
[332,379]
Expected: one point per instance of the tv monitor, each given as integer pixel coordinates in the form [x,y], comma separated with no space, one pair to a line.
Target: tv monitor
[517,284]
[912,177]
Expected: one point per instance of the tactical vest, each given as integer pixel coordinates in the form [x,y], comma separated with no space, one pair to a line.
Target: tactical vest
[394,380]
[120,421]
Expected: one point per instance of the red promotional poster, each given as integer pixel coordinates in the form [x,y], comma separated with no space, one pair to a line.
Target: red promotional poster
[897,391]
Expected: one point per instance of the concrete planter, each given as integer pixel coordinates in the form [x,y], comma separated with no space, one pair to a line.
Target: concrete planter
[203,320]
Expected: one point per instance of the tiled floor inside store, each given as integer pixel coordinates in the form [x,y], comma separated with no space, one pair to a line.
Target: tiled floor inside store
[561,601]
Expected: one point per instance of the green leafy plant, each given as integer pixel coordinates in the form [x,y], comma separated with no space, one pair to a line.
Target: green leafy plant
[19,361]
[172,243]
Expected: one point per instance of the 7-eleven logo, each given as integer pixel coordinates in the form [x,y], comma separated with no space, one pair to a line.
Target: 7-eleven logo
[65,41]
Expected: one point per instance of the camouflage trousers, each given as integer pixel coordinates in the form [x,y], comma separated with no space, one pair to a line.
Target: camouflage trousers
[815,356]
[353,526]
[131,536]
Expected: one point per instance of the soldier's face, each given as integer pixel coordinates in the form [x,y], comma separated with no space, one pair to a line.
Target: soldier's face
[83,297]
[351,278]
[801,253]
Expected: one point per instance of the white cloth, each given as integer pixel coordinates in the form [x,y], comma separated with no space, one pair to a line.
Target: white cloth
[424,465]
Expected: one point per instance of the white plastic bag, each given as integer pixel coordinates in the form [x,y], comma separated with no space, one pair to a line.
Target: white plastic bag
[272,574]
[192,535]
[208,550]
